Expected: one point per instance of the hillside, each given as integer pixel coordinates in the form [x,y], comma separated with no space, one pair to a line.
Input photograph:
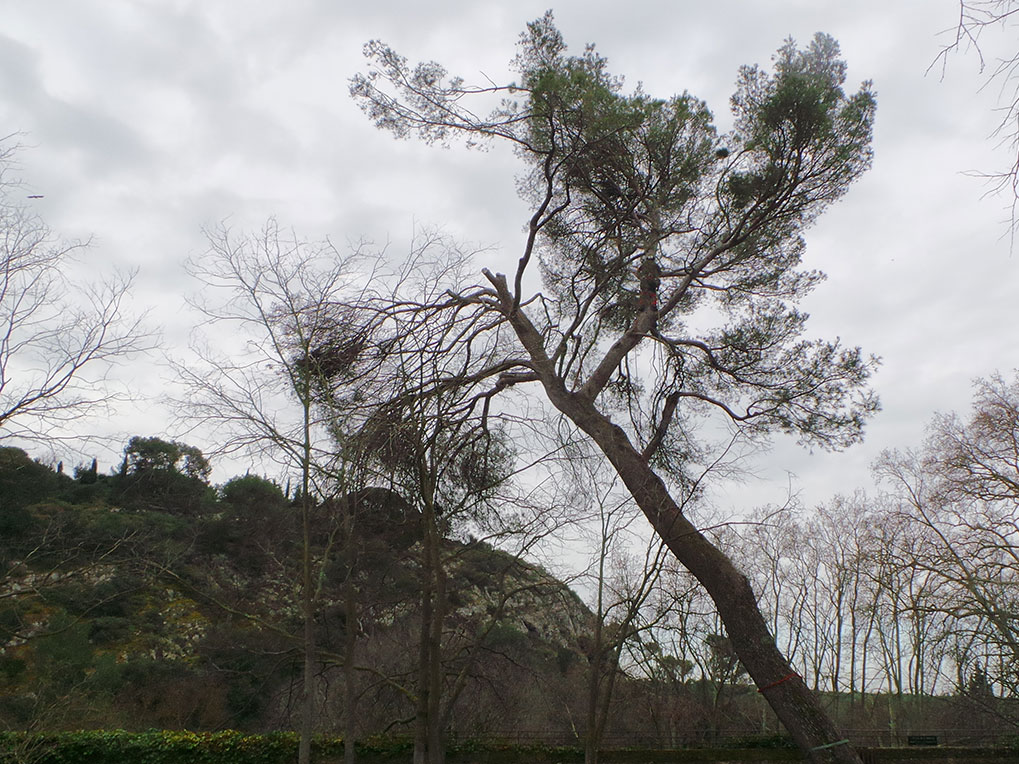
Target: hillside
[135,602]
[146,598]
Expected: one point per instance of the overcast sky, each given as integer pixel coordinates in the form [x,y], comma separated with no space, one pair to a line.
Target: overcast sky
[151,119]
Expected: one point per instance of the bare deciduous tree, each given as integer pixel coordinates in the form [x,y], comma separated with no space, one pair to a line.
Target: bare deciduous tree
[962,489]
[427,429]
[977,19]
[624,574]
[59,336]
[297,355]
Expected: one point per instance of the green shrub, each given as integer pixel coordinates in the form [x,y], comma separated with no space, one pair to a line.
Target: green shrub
[152,747]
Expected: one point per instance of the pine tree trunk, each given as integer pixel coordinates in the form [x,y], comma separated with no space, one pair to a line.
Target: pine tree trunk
[797,708]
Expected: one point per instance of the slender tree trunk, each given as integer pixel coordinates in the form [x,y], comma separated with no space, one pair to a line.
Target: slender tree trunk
[348,720]
[349,656]
[591,741]
[840,623]
[799,710]
[853,631]
[424,685]
[436,738]
[308,679]
[308,593]
[605,702]
[864,655]
[429,742]
[796,707]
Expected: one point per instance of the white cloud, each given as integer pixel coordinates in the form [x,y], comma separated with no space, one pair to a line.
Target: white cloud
[152,119]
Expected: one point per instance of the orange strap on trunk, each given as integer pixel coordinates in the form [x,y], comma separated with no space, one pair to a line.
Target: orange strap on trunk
[776,684]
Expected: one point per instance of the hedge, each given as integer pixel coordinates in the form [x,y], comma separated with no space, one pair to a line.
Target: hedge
[231,747]
[152,747]
[177,747]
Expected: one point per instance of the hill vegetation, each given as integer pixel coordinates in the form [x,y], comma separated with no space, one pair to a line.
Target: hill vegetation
[147,598]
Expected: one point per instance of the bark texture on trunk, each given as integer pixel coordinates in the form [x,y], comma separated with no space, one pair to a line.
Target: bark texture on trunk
[797,708]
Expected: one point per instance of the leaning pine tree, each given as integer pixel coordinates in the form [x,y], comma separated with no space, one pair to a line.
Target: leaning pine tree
[670,257]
